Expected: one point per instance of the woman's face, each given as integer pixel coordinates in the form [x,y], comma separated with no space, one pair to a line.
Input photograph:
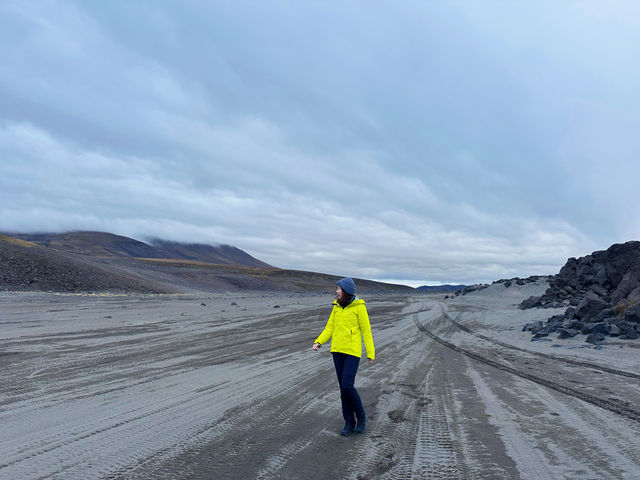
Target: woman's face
[339,294]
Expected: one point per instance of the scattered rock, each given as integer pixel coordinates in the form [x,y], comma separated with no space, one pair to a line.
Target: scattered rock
[530,327]
[567,333]
[595,338]
[574,324]
[530,302]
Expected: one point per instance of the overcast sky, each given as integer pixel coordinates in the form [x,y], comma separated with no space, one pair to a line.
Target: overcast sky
[422,141]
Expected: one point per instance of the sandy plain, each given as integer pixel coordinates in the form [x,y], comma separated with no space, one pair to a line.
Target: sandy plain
[227,387]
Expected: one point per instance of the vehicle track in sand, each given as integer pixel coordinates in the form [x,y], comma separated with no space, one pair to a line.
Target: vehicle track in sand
[571,361]
[173,390]
[620,407]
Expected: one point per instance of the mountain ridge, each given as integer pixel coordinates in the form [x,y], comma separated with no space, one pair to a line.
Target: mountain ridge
[100,261]
[99,244]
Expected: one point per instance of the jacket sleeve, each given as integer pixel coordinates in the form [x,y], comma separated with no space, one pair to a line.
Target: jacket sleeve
[365,328]
[327,332]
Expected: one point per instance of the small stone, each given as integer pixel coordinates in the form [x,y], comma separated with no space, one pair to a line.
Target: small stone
[530,327]
[567,333]
[603,328]
[595,337]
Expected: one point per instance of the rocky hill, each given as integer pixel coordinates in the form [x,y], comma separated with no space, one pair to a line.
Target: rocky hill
[98,262]
[29,266]
[601,292]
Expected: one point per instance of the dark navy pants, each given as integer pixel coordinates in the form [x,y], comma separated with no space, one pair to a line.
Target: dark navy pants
[346,369]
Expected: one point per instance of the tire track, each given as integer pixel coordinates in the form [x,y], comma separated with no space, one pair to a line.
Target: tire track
[389,448]
[437,453]
[613,406]
[578,363]
[107,433]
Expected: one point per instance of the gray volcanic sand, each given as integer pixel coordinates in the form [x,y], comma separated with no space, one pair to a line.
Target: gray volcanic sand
[161,386]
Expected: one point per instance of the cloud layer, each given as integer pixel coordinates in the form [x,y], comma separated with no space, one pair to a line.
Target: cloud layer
[438,142]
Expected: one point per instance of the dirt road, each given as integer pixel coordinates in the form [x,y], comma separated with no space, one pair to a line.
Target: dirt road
[228,387]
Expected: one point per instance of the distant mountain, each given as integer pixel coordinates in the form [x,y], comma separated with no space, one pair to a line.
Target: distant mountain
[101,244]
[222,254]
[440,288]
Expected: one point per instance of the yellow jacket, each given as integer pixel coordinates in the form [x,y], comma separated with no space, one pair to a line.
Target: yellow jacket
[346,326]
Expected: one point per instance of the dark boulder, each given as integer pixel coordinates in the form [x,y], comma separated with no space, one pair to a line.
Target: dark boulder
[602,278]
[603,328]
[556,319]
[631,335]
[567,333]
[632,314]
[595,338]
[626,327]
[629,283]
[590,306]
[635,294]
[574,324]
[622,258]
[606,313]
[532,327]
[588,328]
[530,302]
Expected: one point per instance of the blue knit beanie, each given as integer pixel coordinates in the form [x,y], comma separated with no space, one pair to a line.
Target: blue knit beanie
[347,285]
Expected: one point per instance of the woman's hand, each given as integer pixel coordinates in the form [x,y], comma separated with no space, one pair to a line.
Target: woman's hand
[369,360]
[316,346]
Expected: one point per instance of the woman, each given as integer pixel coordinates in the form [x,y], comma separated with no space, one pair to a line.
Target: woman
[347,322]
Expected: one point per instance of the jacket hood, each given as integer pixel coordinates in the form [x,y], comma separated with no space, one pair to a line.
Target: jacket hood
[356,301]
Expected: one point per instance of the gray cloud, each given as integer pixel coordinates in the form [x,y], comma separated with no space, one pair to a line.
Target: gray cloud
[440,142]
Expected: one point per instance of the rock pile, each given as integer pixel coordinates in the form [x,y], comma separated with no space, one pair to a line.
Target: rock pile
[507,282]
[471,288]
[601,292]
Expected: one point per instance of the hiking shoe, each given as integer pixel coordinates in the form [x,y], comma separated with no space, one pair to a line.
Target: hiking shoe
[347,430]
[362,425]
